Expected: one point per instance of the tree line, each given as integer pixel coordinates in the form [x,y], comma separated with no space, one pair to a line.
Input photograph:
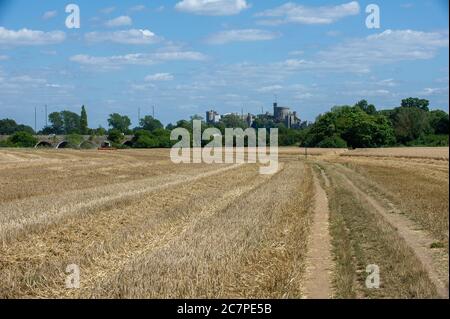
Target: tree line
[357,126]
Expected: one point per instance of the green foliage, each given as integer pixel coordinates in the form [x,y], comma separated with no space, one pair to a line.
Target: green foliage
[74,140]
[9,127]
[233,121]
[431,140]
[439,122]
[65,122]
[334,141]
[119,122]
[159,138]
[148,123]
[366,107]
[115,136]
[84,130]
[410,123]
[353,126]
[22,139]
[416,103]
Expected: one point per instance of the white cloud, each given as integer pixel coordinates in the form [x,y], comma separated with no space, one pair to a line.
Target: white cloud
[270,89]
[244,35]
[49,14]
[138,8]
[30,37]
[108,10]
[159,77]
[294,13]
[435,91]
[4,57]
[387,47]
[119,22]
[115,62]
[132,36]
[297,52]
[212,7]
[387,82]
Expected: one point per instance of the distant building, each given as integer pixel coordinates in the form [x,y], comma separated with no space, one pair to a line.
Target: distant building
[212,117]
[284,115]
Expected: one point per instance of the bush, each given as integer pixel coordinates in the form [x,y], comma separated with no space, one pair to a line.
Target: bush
[22,139]
[115,136]
[333,142]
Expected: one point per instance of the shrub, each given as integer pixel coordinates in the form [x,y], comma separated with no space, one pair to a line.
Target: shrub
[332,142]
[115,136]
[22,139]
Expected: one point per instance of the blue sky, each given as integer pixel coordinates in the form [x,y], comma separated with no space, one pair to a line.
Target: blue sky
[188,56]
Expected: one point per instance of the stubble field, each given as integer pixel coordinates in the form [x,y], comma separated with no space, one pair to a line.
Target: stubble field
[139,226]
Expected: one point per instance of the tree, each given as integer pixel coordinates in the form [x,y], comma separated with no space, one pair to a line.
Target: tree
[115,136]
[150,124]
[351,125]
[410,123]
[9,127]
[439,122]
[71,122]
[119,122]
[84,130]
[65,122]
[23,139]
[57,122]
[416,103]
[366,107]
[233,121]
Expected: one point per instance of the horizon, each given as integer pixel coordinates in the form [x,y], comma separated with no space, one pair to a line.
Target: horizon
[187,57]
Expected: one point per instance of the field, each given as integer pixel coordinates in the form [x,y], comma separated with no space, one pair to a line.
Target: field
[139,226]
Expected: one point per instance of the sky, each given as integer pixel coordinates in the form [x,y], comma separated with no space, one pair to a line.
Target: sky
[185,57]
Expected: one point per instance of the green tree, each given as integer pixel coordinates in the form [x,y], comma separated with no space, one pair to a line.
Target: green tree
[410,123]
[71,122]
[150,124]
[57,123]
[119,122]
[366,107]
[416,103]
[439,122]
[115,136]
[233,121]
[22,139]
[9,127]
[84,129]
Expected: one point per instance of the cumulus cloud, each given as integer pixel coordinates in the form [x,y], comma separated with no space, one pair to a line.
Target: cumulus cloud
[132,36]
[159,77]
[387,47]
[108,10]
[212,7]
[30,37]
[117,61]
[138,8]
[49,14]
[119,22]
[300,14]
[244,35]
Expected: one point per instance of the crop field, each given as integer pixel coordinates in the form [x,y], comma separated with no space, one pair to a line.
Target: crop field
[139,226]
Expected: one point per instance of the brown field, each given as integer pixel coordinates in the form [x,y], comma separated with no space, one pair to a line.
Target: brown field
[139,226]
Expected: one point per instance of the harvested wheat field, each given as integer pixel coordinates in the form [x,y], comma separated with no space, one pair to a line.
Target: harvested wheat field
[139,226]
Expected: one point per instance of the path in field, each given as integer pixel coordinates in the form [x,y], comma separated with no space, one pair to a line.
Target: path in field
[416,239]
[319,261]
